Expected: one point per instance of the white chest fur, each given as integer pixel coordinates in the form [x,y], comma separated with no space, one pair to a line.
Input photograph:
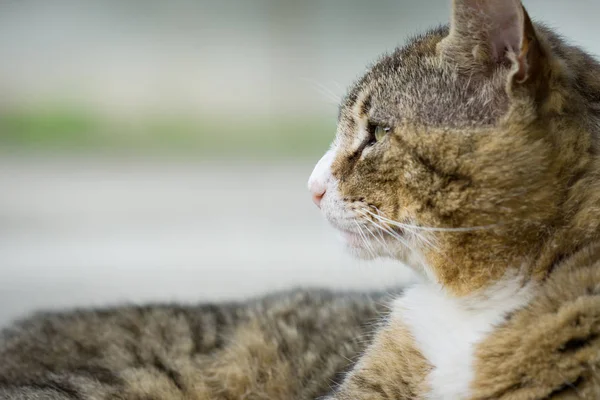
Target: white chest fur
[447,329]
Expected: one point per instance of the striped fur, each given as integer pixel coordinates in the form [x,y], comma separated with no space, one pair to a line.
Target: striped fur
[488,183]
[287,346]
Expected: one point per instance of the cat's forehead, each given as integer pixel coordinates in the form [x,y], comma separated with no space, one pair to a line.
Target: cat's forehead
[415,84]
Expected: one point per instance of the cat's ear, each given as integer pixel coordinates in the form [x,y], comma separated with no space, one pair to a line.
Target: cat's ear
[486,33]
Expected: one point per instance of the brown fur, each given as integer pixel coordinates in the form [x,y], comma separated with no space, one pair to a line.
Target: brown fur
[288,346]
[551,349]
[476,155]
[505,147]
[391,368]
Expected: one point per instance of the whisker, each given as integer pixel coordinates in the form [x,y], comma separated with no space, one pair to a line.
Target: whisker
[324,91]
[408,228]
[381,241]
[365,240]
[384,228]
[387,247]
[415,234]
[433,229]
[393,234]
[390,232]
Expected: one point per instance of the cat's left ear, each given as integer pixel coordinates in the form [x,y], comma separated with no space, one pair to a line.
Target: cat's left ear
[488,33]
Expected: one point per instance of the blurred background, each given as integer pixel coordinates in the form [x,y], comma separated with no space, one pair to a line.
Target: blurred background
[159,150]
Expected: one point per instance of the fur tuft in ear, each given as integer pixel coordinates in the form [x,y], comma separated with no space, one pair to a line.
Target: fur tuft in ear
[488,33]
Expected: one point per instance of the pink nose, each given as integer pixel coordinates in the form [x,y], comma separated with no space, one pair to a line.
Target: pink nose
[317,196]
[321,175]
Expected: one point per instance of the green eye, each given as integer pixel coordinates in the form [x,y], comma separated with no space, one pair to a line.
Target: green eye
[380,132]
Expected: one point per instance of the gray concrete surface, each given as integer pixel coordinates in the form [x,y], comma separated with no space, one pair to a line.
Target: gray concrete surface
[91,232]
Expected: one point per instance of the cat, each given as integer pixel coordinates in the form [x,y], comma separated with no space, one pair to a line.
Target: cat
[472,155]
[292,345]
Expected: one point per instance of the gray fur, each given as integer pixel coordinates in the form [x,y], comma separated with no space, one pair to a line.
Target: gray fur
[115,353]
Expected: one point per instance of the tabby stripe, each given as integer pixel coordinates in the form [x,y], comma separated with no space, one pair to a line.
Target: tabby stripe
[577,344]
[174,376]
[564,388]
[366,106]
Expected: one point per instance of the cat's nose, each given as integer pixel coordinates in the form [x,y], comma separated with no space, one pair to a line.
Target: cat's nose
[317,184]
[317,195]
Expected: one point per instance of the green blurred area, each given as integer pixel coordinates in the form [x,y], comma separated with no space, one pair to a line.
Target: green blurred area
[71,130]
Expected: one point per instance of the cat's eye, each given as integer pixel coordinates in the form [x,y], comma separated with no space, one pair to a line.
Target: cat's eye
[379,132]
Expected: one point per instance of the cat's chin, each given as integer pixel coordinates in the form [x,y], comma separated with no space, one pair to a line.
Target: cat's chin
[356,245]
[360,247]
[363,249]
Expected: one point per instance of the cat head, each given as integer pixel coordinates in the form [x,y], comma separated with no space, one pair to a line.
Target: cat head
[447,154]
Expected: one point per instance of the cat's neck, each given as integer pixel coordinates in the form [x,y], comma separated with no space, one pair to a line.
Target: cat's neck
[467,265]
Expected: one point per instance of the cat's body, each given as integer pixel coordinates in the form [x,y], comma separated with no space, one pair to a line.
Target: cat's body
[471,154]
[434,346]
[289,346]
